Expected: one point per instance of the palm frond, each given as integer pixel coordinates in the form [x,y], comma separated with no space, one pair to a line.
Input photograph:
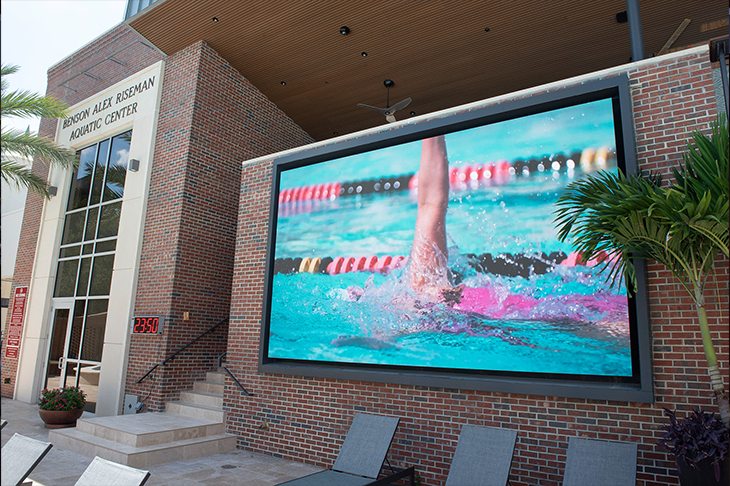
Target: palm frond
[30,146]
[18,175]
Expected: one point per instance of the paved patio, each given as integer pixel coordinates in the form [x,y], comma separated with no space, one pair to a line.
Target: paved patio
[242,468]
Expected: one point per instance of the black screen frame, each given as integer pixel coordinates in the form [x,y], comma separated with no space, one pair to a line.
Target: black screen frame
[638,388]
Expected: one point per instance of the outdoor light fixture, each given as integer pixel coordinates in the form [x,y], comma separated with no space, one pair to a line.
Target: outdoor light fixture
[335,133]
[344,30]
[133,165]
[486,29]
[622,17]
[413,113]
[283,83]
[215,19]
[52,190]
[364,54]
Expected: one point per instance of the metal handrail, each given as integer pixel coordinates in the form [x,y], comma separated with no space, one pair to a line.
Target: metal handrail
[172,356]
[220,365]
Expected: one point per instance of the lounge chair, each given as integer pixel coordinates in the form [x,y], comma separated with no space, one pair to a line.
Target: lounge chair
[600,463]
[109,473]
[20,455]
[483,457]
[3,423]
[361,457]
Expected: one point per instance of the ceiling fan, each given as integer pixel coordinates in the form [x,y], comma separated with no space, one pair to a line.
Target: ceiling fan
[388,111]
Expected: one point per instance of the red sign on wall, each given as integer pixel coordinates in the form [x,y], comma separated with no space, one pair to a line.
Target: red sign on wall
[15,326]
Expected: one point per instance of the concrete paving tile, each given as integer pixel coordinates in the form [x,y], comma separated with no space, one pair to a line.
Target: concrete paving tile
[237,467]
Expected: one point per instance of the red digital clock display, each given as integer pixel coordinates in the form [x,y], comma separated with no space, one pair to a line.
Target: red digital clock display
[147,325]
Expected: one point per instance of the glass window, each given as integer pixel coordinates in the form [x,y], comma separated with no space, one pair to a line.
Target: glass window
[116,174]
[91,224]
[76,329]
[101,276]
[109,223]
[73,229]
[94,330]
[70,251]
[104,246]
[66,278]
[99,170]
[83,276]
[80,185]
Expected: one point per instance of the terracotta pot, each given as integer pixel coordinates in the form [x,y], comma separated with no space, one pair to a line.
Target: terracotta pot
[704,474]
[60,419]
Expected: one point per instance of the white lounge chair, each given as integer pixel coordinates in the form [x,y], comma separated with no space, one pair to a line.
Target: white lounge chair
[20,455]
[109,473]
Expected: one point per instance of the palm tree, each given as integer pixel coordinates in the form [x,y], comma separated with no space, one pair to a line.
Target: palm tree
[25,144]
[684,227]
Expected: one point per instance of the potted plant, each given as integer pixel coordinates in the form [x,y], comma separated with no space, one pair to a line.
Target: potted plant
[61,407]
[699,444]
[684,227]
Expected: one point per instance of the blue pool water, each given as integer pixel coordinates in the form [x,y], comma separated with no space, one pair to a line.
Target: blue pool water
[314,318]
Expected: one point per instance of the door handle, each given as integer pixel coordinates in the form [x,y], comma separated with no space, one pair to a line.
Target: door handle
[60,363]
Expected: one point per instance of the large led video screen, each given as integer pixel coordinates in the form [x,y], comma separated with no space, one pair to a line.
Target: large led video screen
[435,253]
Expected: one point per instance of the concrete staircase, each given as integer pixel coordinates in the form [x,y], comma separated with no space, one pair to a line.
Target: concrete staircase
[191,427]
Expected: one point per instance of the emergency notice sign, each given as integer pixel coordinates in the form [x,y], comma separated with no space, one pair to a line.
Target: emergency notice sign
[15,326]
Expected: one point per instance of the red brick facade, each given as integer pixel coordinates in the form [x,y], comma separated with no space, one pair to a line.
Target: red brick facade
[211,119]
[309,418]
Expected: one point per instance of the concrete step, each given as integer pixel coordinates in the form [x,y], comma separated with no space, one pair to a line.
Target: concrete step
[202,398]
[147,429]
[140,457]
[216,376]
[209,387]
[193,410]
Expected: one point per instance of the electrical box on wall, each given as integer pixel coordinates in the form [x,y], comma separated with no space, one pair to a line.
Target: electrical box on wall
[130,404]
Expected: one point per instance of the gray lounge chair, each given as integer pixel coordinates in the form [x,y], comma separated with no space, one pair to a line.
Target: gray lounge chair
[483,457]
[361,457]
[109,473]
[600,463]
[20,455]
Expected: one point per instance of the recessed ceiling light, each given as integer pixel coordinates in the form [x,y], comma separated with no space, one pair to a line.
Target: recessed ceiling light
[335,133]
[215,19]
[344,30]
[364,54]
[283,83]
[413,113]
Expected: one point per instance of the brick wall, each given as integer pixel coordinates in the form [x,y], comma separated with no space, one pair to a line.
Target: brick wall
[309,417]
[117,54]
[211,118]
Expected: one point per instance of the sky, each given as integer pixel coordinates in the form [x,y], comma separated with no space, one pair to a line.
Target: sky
[36,34]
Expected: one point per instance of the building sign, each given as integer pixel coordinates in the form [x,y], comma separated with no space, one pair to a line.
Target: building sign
[114,107]
[15,327]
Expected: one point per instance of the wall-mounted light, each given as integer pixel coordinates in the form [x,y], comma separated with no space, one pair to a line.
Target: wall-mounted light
[413,113]
[344,30]
[283,83]
[215,19]
[52,190]
[364,54]
[133,165]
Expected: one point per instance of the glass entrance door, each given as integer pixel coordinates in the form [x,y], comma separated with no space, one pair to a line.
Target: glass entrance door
[77,341]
